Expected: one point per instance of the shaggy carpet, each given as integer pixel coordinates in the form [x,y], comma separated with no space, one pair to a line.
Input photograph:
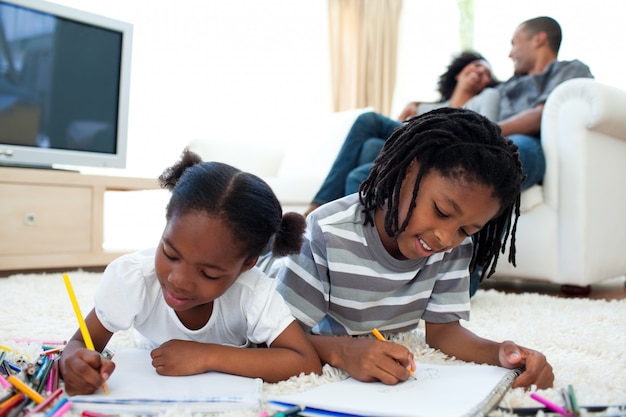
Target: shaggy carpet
[583,339]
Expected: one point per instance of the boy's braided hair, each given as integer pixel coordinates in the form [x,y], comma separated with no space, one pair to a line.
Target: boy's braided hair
[456,143]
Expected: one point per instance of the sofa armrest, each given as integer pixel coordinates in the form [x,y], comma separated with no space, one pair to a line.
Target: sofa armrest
[606,103]
[584,140]
[576,112]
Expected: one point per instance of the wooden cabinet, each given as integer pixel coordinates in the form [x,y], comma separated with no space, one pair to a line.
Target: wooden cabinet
[54,219]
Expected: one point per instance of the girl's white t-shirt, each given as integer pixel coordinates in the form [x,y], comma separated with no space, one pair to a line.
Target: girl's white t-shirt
[129,295]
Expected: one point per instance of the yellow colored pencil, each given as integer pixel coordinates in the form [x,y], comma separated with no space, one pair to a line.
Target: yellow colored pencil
[81,321]
[25,389]
[79,316]
[378,335]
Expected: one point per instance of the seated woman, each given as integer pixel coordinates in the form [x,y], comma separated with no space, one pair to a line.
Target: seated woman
[466,76]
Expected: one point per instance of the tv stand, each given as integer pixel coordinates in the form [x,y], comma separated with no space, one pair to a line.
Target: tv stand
[51,219]
[35,166]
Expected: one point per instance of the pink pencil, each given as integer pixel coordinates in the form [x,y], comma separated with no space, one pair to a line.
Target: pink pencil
[550,405]
[5,383]
[52,377]
[42,341]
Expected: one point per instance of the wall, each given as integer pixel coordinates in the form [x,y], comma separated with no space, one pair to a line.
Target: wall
[245,69]
[259,70]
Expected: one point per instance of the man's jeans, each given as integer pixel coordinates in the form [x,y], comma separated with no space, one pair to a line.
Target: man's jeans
[367,126]
[531,155]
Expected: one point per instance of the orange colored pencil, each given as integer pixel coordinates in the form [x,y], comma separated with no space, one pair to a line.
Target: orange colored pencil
[24,388]
[11,403]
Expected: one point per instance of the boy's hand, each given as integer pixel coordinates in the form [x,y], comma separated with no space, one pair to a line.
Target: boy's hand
[84,371]
[537,370]
[374,360]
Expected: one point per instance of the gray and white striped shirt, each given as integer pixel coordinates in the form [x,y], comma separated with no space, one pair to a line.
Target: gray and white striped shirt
[345,282]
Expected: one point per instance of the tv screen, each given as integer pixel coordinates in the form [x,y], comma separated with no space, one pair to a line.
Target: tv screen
[64,77]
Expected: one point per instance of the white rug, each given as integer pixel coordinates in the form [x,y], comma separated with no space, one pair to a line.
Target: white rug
[584,340]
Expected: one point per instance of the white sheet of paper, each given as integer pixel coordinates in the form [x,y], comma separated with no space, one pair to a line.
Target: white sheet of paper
[135,387]
[437,390]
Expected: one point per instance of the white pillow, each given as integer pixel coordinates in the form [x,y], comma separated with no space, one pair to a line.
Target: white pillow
[316,149]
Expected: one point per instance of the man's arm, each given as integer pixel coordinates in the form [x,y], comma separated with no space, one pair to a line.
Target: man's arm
[527,122]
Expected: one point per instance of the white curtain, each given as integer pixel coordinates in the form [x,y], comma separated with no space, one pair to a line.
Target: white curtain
[363,38]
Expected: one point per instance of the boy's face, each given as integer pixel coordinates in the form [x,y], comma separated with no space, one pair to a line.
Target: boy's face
[446,212]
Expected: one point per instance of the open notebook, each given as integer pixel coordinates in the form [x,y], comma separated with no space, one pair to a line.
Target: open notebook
[136,388]
[437,390]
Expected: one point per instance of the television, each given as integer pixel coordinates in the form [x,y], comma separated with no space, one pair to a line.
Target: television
[64,86]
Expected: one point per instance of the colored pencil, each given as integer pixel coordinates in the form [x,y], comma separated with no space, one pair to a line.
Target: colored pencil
[86,413]
[52,381]
[4,383]
[42,341]
[550,405]
[47,402]
[380,337]
[59,406]
[84,331]
[28,391]
[11,403]
[573,400]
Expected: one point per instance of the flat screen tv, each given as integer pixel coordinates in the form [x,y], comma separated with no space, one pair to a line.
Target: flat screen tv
[64,86]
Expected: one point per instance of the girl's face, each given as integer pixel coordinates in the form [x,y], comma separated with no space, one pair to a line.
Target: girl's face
[197,260]
[446,212]
[475,76]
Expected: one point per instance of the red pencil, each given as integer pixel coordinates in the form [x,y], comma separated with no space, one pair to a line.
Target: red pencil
[11,403]
[94,414]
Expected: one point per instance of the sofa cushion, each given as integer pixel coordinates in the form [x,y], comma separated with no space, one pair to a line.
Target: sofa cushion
[531,198]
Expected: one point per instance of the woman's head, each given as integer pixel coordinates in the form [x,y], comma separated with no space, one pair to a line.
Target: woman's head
[456,150]
[465,63]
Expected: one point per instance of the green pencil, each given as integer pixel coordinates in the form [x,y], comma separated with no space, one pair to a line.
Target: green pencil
[572,398]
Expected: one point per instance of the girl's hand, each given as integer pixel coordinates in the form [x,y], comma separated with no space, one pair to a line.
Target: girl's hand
[537,370]
[84,371]
[374,360]
[180,357]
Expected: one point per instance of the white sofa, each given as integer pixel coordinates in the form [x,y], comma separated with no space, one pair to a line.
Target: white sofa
[571,228]
[296,170]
